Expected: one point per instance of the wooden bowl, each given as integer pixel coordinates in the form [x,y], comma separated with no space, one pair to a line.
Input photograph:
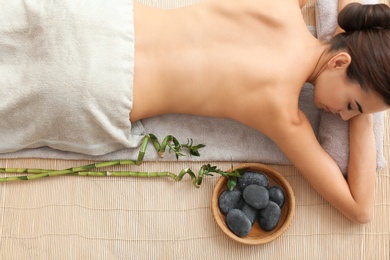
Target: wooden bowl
[257,236]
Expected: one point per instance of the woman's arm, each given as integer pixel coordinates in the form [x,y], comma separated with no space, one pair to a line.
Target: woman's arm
[362,162]
[354,196]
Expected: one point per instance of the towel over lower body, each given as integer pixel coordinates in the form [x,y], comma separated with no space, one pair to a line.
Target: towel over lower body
[66,75]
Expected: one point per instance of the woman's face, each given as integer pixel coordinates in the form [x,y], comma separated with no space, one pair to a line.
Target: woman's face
[335,93]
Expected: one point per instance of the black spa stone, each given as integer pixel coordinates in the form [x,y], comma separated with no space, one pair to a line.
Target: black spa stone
[238,222]
[269,216]
[276,194]
[248,178]
[250,212]
[229,200]
[256,196]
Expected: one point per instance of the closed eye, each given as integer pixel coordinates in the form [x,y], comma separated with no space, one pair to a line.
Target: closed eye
[359,107]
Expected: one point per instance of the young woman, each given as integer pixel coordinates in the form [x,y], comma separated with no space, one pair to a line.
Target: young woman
[248,60]
[67,71]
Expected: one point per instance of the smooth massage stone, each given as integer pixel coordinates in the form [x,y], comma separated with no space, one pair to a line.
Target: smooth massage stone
[256,196]
[250,212]
[269,216]
[238,222]
[276,194]
[248,178]
[229,200]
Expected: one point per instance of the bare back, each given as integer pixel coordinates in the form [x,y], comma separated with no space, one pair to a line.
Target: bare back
[243,60]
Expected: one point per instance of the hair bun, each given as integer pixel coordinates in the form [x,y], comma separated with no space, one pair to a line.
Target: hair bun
[358,17]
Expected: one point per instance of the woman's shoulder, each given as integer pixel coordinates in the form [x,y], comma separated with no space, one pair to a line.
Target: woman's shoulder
[288,127]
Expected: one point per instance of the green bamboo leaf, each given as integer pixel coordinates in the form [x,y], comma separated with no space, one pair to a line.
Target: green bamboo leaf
[232,182]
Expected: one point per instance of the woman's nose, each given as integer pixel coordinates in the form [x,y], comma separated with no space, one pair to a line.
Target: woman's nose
[348,114]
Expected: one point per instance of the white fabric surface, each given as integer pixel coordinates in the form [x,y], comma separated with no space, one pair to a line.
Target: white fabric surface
[52,57]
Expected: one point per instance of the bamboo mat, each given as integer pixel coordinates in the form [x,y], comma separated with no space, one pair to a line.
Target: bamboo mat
[131,218]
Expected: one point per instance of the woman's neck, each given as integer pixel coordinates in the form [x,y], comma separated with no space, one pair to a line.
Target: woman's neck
[322,61]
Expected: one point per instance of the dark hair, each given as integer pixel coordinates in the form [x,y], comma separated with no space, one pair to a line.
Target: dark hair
[367,40]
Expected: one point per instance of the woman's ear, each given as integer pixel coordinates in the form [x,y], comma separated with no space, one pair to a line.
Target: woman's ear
[340,61]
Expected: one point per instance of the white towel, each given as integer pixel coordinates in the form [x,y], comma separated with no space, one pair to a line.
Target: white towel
[66,75]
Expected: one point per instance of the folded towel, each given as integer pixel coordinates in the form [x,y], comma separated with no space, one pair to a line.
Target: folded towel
[52,55]
[333,136]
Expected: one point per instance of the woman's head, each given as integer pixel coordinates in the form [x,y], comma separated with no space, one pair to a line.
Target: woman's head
[367,40]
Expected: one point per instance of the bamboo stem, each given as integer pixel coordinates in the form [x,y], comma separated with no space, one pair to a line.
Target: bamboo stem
[176,147]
